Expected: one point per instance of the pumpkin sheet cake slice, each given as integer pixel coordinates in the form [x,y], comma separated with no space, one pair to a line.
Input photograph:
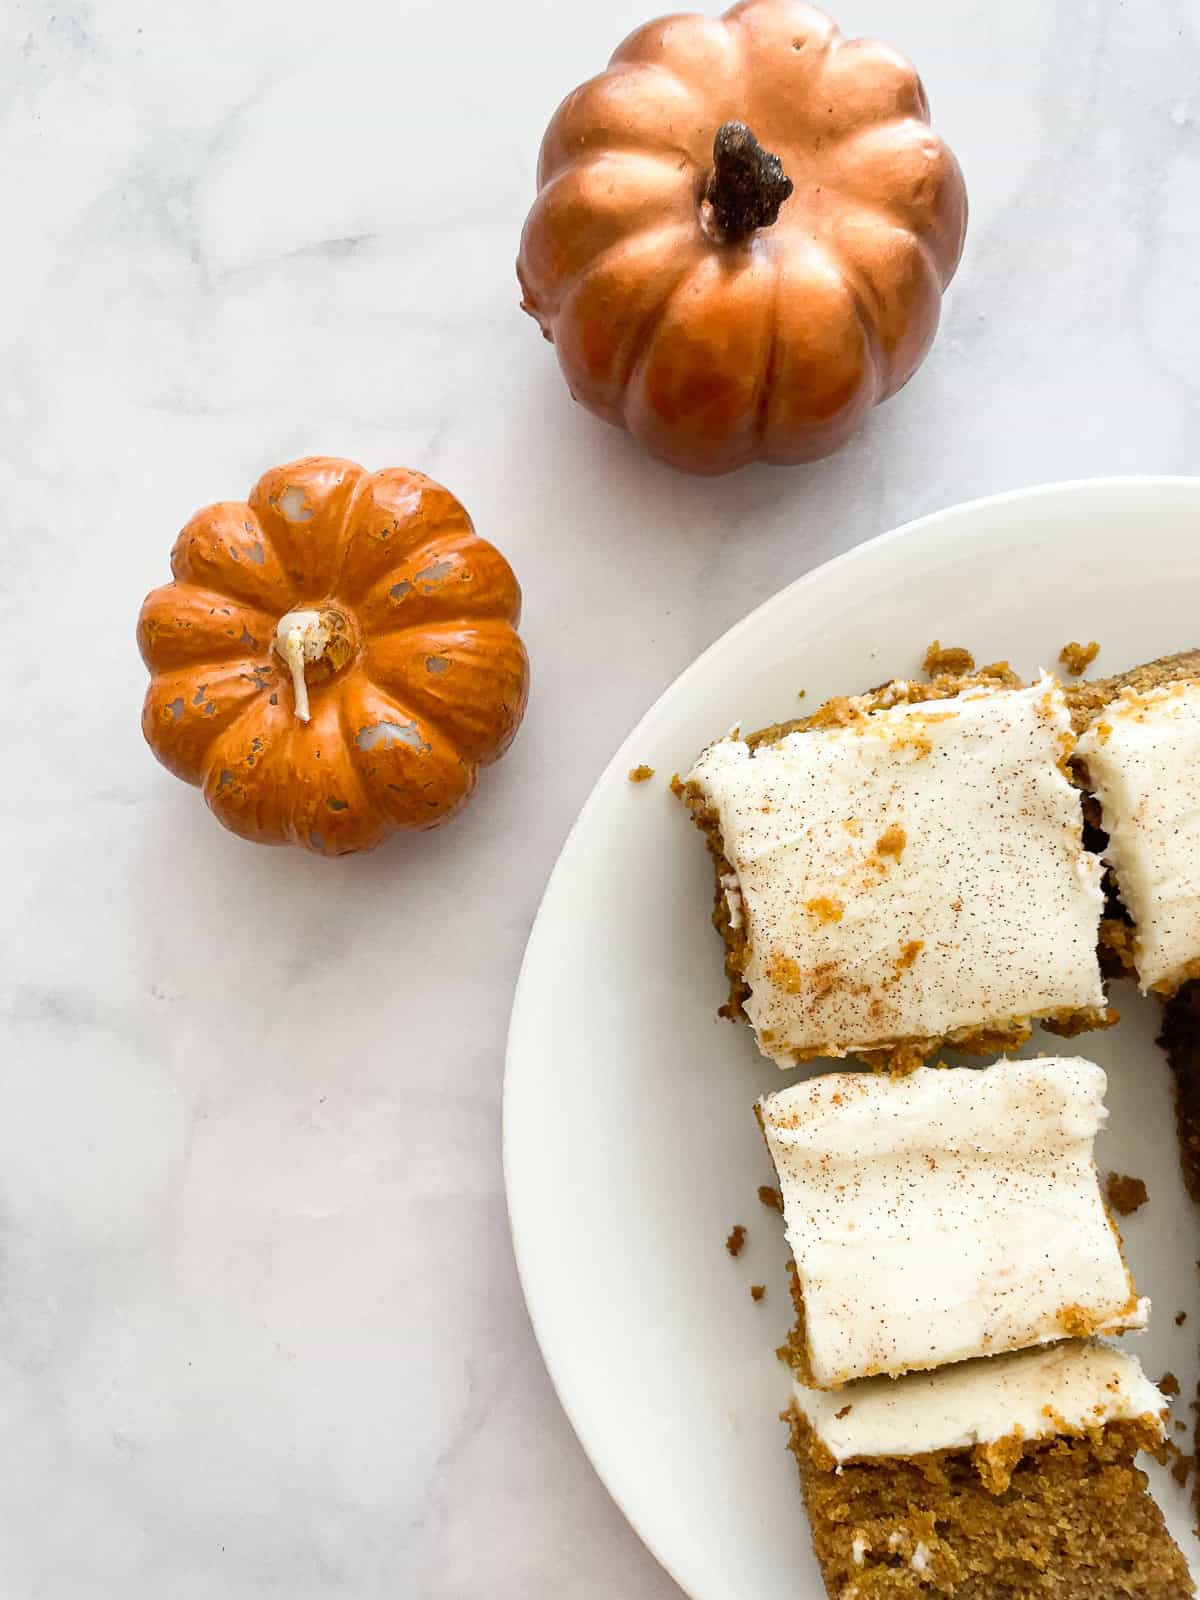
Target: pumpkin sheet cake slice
[952,1213]
[1010,1478]
[905,870]
[1139,758]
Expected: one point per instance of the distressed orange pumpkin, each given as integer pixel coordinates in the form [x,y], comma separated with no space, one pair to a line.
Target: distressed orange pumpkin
[742,234]
[336,657]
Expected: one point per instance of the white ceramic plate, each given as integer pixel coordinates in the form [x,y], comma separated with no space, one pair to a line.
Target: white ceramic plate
[630,1145]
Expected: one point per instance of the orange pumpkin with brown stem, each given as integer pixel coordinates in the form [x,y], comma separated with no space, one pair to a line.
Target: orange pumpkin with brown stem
[336,657]
[742,234]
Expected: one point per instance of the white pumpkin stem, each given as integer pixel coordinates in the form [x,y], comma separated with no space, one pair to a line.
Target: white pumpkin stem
[301,636]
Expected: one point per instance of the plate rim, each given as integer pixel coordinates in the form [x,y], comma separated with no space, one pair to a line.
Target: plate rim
[593,1449]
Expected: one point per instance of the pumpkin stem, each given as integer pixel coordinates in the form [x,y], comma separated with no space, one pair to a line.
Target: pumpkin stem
[301,636]
[748,184]
[320,641]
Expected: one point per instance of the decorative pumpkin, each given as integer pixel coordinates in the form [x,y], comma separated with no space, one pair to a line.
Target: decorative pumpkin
[336,658]
[742,234]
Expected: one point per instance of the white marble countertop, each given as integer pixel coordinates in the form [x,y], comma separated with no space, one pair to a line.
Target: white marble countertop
[260,1329]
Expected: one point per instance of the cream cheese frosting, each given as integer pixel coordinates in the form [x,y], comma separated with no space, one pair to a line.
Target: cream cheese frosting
[1142,755]
[952,1213]
[916,871]
[1066,1389]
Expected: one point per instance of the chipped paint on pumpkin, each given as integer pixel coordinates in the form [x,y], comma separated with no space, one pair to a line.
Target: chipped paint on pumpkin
[387,735]
[435,572]
[293,504]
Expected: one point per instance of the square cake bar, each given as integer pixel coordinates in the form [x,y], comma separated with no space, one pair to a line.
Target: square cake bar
[902,873]
[1140,758]
[1010,1478]
[951,1213]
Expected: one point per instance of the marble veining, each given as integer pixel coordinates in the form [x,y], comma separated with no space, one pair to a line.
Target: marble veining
[260,1329]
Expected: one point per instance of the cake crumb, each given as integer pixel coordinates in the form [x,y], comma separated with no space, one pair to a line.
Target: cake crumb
[736,1240]
[1169,1384]
[771,1198]
[1077,658]
[904,1059]
[757,1290]
[1170,1455]
[640,774]
[953,659]
[1076,1321]
[1002,672]
[843,1413]
[1125,1194]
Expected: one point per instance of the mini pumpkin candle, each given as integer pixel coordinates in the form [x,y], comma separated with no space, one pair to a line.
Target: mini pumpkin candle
[336,657]
[742,234]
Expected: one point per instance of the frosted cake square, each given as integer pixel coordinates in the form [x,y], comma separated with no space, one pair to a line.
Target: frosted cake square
[1140,758]
[901,873]
[1012,1478]
[951,1213]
